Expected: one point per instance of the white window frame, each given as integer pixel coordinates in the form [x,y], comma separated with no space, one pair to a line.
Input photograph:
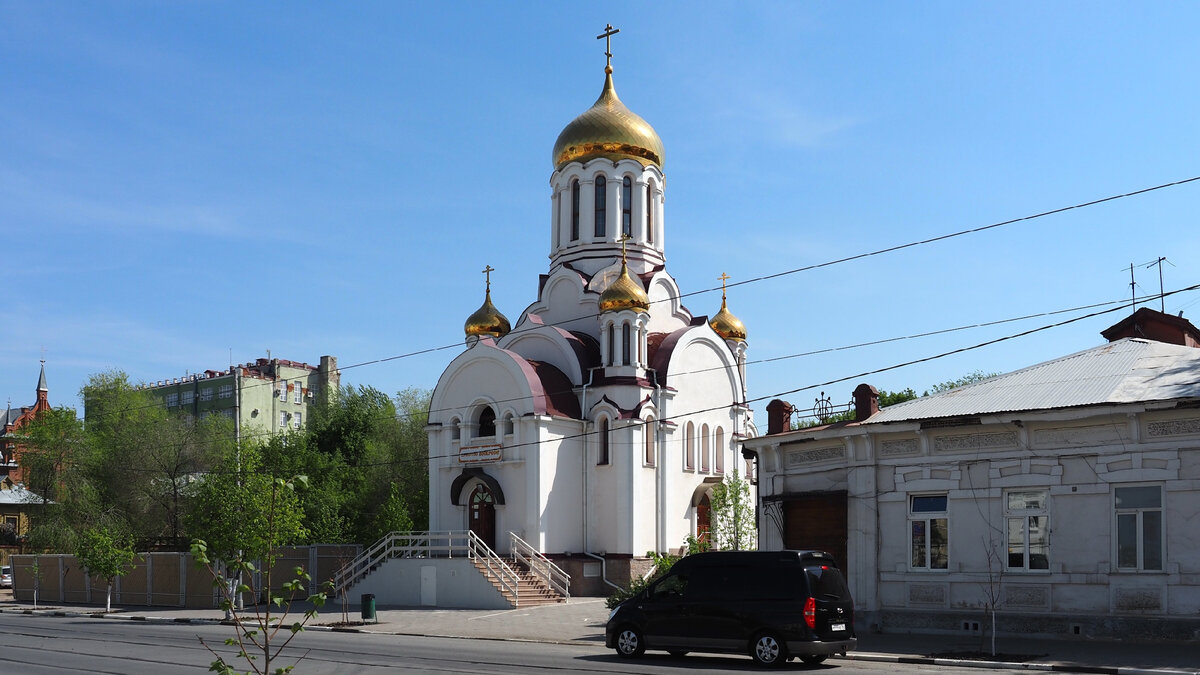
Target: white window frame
[283,419]
[296,417]
[173,399]
[1139,514]
[298,393]
[206,394]
[926,519]
[283,391]
[1023,524]
[226,391]
[186,397]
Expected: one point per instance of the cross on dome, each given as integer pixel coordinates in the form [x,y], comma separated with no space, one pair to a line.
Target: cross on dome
[609,31]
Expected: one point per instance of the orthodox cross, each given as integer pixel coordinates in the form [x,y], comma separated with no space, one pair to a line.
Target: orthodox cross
[487,271]
[609,31]
[723,277]
[624,238]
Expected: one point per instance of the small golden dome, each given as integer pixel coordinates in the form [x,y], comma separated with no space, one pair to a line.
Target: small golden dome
[608,129]
[487,320]
[624,293]
[727,325]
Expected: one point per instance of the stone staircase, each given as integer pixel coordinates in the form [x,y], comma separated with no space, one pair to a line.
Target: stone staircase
[531,591]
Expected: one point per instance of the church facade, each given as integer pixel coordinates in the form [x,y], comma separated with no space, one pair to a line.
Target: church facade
[595,426]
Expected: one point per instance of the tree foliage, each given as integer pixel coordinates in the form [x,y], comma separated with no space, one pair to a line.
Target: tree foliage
[732,516]
[105,553]
[970,378]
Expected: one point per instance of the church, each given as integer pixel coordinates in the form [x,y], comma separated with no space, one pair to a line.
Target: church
[595,427]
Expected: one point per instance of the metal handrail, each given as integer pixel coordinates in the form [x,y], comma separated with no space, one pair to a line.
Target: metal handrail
[446,544]
[479,550]
[540,566]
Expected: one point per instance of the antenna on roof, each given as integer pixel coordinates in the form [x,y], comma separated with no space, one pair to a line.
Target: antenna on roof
[1161,297]
[1132,287]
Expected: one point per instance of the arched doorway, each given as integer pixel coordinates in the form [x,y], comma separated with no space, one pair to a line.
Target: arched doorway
[482,515]
[704,520]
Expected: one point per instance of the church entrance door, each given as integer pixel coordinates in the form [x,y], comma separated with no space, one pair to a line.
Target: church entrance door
[704,520]
[483,515]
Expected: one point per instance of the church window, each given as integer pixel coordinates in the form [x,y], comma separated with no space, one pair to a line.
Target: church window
[612,354]
[601,206]
[455,432]
[648,430]
[689,456]
[649,212]
[487,423]
[574,210]
[627,206]
[625,344]
[704,449]
[602,454]
[719,451]
[508,424]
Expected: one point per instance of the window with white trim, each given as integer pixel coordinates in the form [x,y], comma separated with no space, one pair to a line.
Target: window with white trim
[296,417]
[648,429]
[1140,536]
[689,458]
[719,451]
[283,391]
[283,420]
[602,454]
[206,394]
[298,392]
[226,391]
[929,532]
[187,396]
[1027,513]
[172,399]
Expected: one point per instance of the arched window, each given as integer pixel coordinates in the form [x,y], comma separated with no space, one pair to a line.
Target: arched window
[648,430]
[602,454]
[689,456]
[612,351]
[704,449]
[625,344]
[627,206]
[487,423]
[455,430]
[508,424]
[574,209]
[719,451]
[649,212]
[601,206]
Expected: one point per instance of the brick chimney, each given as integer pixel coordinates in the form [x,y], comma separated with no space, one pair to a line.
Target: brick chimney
[1154,325]
[779,416]
[866,401]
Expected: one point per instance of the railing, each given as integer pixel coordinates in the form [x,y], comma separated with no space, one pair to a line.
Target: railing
[426,545]
[540,566]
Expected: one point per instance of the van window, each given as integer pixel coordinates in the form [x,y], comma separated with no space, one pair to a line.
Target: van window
[826,582]
[669,587]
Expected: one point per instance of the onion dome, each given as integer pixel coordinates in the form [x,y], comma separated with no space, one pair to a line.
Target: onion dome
[608,129]
[624,293]
[487,320]
[725,323]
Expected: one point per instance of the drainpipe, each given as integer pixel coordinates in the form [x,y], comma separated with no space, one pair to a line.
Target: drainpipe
[603,569]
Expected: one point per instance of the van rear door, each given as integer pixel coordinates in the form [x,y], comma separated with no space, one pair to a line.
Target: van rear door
[834,607]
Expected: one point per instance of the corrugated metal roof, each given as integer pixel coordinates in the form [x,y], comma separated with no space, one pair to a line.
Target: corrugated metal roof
[1129,370]
[19,495]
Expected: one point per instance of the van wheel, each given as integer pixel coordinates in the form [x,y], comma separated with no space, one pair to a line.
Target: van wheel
[814,659]
[767,650]
[630,643]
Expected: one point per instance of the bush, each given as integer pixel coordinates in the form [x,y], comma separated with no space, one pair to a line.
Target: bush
[662,563]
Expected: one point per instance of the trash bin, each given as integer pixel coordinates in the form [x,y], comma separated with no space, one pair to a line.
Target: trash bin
[368,607]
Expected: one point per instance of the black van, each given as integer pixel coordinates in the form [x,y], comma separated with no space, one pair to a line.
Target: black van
[773,605]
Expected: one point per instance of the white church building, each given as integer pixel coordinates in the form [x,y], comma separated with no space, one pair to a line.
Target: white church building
[596,426]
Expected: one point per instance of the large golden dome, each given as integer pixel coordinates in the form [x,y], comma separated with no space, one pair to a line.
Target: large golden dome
[487,320]
[727,325]
[608,129]
[624,293]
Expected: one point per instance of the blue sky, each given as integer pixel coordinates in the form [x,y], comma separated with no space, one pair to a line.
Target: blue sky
[186,182]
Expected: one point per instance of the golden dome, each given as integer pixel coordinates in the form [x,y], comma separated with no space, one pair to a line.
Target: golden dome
[725,323]
[487,320]
[608,129]
[624,293]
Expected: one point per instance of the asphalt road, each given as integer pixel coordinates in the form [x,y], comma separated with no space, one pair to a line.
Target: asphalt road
[42,644]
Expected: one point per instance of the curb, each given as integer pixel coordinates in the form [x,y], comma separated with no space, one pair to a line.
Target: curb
[871,657]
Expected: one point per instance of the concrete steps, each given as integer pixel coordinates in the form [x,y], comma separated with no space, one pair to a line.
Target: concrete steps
[531,592]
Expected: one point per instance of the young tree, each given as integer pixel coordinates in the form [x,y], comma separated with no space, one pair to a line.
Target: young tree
[270,522]
[969,378]
[733,525]
[106,554]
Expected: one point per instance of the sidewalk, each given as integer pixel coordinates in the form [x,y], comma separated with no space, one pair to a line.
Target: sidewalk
[581,621]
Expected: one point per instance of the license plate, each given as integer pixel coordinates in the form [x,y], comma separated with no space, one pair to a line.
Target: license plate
[837,626]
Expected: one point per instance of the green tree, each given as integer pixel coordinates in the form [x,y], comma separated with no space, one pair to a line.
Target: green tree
[106,554]
[969,378]
[733,524]
[272,520]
